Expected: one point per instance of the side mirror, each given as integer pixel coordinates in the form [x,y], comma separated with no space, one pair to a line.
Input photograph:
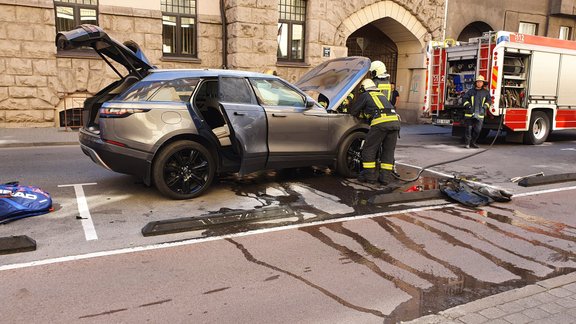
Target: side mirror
[309,104]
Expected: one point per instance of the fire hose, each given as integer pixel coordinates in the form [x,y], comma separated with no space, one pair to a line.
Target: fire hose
[454,160]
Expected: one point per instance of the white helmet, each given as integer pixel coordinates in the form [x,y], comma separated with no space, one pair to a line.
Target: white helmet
[377,68]
[368,84]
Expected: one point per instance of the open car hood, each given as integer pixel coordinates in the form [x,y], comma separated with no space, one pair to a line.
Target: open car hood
[128,54]
[335,78]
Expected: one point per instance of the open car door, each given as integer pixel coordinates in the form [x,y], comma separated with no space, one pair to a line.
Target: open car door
[128,54]
[247,122]
[336,78]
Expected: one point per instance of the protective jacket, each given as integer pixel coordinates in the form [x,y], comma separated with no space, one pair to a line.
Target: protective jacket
[384,86]
[476,101]
[375,107]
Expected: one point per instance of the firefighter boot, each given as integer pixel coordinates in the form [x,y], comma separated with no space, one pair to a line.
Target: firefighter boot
[387,178]
[368,175]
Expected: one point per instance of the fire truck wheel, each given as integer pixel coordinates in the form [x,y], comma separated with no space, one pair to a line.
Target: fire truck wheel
[538,129]
[349,161]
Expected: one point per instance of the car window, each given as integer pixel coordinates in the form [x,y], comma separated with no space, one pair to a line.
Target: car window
[177,90]
[275,93]
[235,90]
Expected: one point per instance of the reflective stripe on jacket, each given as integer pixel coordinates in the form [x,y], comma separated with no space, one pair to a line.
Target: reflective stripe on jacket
[476,101]
[374,106]
[384,86]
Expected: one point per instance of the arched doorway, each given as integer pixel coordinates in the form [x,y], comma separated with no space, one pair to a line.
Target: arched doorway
[371,42]
[396,37]
[475,29]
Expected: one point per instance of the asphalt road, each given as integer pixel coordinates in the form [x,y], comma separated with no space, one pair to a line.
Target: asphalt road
[337,258]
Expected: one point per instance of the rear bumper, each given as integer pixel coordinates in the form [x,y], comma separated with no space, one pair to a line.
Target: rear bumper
[115,158]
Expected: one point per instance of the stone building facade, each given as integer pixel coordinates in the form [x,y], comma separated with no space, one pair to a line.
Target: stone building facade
[469,18]
[38,85]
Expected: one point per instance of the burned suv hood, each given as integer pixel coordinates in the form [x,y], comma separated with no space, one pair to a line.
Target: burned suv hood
[128,54]
[335,78]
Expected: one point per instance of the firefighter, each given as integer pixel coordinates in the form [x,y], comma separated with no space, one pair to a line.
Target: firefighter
[476,101]
[384,126]
[381,78]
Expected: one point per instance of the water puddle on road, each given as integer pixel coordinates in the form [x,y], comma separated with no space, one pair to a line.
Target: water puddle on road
[433,240]
[426,255]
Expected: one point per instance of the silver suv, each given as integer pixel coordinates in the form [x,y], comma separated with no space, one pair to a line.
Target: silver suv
[177,129]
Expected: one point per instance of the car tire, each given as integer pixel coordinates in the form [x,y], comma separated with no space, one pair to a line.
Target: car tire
[183,170]
[538,129]
[349,161]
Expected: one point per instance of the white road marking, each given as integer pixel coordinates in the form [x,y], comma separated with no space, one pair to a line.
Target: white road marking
[534,193]
[255,232]
[321,200]
[86,218]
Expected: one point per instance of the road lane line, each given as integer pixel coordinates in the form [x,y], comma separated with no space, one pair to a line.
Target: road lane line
[540,192]
[255,232]
[86,218]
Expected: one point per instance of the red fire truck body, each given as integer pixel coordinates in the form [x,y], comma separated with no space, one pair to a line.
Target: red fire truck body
[531,80]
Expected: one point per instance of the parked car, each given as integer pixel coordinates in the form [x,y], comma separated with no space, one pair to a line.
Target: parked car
[177,129]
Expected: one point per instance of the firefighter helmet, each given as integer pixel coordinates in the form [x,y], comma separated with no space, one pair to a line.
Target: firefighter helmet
[377,68]
[367,85]
[480,78]
[271,72]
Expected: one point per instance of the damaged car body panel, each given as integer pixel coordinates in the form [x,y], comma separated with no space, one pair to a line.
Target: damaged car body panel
[177,129]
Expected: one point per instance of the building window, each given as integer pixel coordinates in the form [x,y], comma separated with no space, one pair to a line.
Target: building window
[291,30]
[72,13]
[565,33]
[528,28]
[179,27]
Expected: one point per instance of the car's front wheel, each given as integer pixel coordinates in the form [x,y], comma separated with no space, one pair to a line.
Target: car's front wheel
[183,170]
[349,161]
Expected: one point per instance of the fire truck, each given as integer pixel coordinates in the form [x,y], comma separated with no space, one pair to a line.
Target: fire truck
[532,81]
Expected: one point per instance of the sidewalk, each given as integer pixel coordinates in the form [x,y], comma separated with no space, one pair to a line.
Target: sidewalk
[25,137]
[549,301]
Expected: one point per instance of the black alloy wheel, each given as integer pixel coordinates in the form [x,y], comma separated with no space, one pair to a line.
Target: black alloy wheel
[183,170]
[349,161]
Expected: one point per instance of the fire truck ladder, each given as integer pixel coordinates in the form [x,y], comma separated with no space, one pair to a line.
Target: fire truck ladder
[435,94]
[483,62]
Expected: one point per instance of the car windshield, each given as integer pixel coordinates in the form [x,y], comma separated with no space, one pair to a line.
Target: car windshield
[177,90]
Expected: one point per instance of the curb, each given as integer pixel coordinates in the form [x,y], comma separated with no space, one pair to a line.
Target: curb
[13,145]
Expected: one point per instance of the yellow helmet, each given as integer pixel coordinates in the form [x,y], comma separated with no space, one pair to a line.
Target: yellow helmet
[271,72]
[368,84]
[377,68]
[480,78]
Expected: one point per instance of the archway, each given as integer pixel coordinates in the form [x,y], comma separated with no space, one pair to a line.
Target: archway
[395,34]
[475,29]
[371,42]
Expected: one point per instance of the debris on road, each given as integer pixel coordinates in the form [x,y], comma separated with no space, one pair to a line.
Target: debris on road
[473,195]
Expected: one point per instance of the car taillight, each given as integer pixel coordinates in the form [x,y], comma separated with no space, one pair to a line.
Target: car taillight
[120,112]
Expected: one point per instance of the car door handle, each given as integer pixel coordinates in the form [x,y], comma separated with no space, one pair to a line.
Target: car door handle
[278,115]
[239,113]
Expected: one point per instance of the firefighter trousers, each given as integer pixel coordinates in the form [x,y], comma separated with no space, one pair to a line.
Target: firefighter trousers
[473,128]
[380,135]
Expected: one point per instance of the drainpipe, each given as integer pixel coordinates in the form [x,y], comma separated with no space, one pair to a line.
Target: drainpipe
[224,35]
[445,19]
